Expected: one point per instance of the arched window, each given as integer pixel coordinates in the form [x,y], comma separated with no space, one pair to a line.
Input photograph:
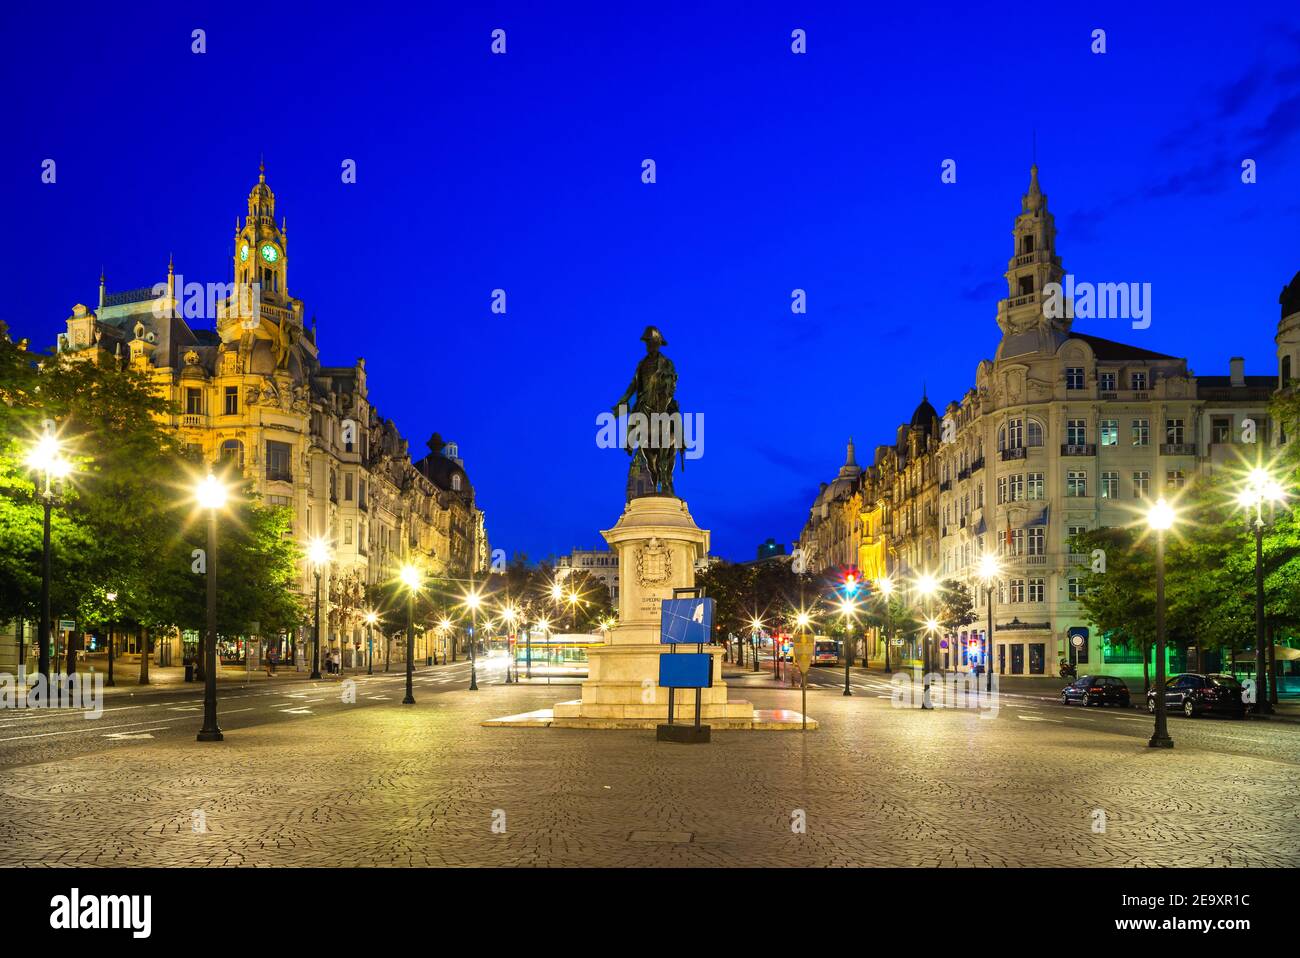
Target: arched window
[1035,433]
[232,451]
[455,482]
[1286,370]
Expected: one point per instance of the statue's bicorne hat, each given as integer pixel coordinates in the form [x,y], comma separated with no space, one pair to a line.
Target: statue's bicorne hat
[652,334]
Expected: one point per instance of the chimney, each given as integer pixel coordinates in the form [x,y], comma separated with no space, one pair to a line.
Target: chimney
[1237,366]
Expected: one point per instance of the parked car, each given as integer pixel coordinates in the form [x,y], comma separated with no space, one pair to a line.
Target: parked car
[1096,690]
[1193,694]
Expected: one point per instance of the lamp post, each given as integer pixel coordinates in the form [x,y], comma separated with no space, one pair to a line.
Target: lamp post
[412,579]
[989,569]
[755,630]
[318,551]
[885,586]
[112,597]
[1261,488]
[45,458]
[927,586]
[370,619]
[510,616]
[848,608]
[1160,518]
[803,621]
[472,601]
[211,495]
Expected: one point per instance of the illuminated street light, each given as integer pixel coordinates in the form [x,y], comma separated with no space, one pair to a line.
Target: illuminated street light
[318,553]
[989,571]
[370,618]
[211,494]
[755,630]
[46,457]
[510,616]
[413,579]
[1261,489]
[848,611]
[112,598]
[1160,518]
[472,601]
[927,586]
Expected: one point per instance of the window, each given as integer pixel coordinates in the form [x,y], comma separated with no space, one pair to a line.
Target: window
[1220,429]
[347,487]
[1138,381]
[278,461]
[1018,542]
[1141,484]
[1106,382]
[232,451]
[334,486]
[1141,432]
[278,500]
[347,532]
[1037,541]
[231,406]
[1108,432]
[1175,479]
[455,482]
[361,493]
[1034,488]
[1017,590]
[1027,244]
[1074,588]
[1071,534]
[1035,433]
[1002,489]
[1076,483]
[1014,435]
[1074,377]
[193,401]
[1286,370]
[1015,488]
[1174,432]
[1110,485]
[1037,590]
[1076,432]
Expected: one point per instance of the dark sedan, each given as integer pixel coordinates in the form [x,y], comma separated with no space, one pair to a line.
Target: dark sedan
[1096,690]
[1194,694]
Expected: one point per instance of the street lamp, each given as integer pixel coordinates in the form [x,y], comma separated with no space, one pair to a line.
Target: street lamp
[927,586]
[1261,488]
[755,630]
[573,599]
[412,579]
[45,457]
[472,602]
[318,551]
[510,615]
[1160,517]
[885,585]
[112,598]
[210,495]
[370,618]
[848,608]
[989,570]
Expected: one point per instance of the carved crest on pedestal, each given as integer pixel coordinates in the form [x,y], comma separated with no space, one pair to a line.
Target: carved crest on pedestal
[654,563]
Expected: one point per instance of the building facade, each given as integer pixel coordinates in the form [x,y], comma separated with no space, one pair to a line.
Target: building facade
[1062,432]
[253,394]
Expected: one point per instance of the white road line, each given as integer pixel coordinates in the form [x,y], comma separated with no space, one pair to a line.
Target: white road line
[73,731]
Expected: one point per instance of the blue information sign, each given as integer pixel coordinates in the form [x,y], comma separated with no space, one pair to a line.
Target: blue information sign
[686,621]
[685,670]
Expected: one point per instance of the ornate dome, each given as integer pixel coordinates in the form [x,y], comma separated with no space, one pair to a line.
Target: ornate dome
[924,416]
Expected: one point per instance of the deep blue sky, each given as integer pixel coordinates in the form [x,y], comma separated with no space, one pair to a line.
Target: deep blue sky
[775,171]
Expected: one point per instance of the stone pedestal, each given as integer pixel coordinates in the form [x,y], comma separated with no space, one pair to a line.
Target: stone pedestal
[658,544]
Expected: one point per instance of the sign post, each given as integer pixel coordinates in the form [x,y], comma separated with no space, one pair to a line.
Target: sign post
[685,622]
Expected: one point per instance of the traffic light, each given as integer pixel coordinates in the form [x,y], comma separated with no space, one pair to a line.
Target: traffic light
[851,584]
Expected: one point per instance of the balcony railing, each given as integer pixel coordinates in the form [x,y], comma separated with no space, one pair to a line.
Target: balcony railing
[1079,449]
[1177,449]
[1016,452]
[194,419]
[977,465]
[945,485]
[279,475]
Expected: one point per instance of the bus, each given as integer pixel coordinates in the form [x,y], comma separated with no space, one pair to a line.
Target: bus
[554,654]
[826,651]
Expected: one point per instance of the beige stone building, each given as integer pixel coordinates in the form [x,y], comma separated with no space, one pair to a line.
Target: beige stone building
[252,392]
[1063,431]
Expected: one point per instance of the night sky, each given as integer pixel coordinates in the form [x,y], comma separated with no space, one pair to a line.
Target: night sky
[775,172]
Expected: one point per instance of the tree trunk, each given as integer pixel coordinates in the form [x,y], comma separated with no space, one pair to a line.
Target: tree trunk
[142,642]
[1146,669]
[1272,666]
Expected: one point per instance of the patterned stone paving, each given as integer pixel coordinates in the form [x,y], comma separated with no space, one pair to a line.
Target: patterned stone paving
[386,786]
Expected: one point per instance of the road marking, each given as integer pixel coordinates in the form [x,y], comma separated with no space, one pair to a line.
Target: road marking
[298,711]
[185,708]
[74,731]
[128,735]
[1035,718]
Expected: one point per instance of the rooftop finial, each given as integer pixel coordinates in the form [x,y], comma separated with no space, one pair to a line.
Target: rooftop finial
[261,167]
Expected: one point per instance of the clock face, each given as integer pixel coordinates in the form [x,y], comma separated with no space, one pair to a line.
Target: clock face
[269,253]
[243,253]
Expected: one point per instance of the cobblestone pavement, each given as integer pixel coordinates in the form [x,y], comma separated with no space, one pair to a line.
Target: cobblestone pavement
[426,784]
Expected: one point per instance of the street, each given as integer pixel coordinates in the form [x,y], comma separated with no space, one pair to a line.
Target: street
[304,779]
